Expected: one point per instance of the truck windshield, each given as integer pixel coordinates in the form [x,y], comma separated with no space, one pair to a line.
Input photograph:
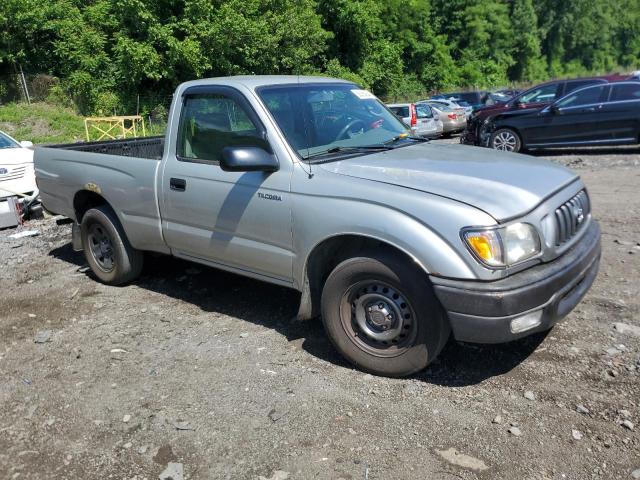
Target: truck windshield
[324,117]
[7,142]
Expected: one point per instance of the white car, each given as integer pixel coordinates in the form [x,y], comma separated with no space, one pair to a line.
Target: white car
[421,118]
[17,177]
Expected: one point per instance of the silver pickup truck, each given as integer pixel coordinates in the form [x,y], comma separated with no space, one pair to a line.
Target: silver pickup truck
[313,184]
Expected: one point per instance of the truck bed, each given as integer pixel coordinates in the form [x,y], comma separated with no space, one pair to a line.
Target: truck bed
[146,147]
[123,172]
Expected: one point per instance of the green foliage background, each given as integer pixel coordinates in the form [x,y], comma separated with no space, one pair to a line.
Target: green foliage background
[107,52]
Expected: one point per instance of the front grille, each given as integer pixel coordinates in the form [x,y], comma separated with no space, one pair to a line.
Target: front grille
[571,216]
[14,174]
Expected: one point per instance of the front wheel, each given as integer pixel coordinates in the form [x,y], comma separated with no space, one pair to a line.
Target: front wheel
[506,140]
[381,314]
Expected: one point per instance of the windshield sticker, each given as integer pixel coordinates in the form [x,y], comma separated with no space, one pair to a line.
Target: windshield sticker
[363,94]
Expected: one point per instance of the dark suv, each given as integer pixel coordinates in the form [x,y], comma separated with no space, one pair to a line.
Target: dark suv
[534,98]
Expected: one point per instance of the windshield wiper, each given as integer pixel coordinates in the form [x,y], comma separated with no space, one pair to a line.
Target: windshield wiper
[404,137]
[349,149]
[386,145]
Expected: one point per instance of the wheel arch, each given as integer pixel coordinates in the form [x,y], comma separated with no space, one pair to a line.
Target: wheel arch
[507,126]
[515,130]
[327,254]
[84,200]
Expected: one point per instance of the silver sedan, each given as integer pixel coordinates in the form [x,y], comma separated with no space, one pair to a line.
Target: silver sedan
[453,120]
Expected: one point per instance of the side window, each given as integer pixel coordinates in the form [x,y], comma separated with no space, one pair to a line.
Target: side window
[402,112]
[627,91]
[588,96]
[543,94]
[423,111]
[210,122]
[571,86]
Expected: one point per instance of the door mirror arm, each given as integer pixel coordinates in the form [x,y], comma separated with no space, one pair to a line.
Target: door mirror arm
[553,108]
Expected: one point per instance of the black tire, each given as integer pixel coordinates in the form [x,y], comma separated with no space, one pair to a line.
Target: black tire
[360,284]
[505,139]
[106,247]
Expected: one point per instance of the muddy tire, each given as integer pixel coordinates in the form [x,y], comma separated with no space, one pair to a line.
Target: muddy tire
[381,314]
[106,247]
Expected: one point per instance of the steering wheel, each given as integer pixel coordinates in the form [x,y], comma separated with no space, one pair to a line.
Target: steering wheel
[343,132]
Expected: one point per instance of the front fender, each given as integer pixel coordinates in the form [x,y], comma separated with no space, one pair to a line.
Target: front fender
[437,250]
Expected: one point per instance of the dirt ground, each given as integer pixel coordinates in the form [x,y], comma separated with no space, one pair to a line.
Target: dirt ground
[203,372]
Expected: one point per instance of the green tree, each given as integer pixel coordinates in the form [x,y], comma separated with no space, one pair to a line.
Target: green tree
[107,52]
[529,65]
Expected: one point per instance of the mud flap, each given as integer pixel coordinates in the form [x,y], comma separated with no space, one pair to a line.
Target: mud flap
[76,241]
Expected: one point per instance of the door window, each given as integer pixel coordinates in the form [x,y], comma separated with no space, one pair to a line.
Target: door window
[211,122]
[543,94]
[423,111]
[402,112]
[588,96]
[627,91]
[571,86]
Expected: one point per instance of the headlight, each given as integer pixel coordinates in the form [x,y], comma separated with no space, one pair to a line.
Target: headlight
[503,247]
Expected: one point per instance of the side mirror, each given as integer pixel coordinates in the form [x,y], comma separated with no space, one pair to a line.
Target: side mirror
[554,109]
[26,144]
[247,159]
[518,104]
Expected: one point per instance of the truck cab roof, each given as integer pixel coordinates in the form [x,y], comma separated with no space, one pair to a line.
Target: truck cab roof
[256,81]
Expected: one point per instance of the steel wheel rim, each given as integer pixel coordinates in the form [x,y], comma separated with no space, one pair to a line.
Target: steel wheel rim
[101,247]
[505,141]
[378,318]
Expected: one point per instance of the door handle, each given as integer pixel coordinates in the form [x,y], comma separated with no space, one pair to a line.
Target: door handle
[178,184]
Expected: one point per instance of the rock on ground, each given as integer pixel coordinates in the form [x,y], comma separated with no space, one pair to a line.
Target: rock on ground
[461,460]
[174,471]
[626,329]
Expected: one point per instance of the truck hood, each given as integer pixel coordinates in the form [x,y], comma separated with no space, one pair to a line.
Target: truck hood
[504,185]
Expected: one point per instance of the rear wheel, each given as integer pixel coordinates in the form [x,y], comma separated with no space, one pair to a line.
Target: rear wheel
[506,140]
[381,314]
[106,247]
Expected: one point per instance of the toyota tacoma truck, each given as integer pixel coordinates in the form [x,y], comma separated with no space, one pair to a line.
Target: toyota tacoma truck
[313,184]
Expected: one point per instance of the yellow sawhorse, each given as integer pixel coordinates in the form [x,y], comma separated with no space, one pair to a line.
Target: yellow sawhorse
[114,127]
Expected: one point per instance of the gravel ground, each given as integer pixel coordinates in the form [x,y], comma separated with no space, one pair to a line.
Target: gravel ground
[196,373]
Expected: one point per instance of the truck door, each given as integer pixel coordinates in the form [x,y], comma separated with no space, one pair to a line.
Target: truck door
[237,220]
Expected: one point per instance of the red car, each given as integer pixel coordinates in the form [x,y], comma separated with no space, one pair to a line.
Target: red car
[536,97]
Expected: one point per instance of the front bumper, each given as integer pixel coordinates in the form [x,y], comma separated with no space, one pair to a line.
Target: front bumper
[469,135]
[482,312]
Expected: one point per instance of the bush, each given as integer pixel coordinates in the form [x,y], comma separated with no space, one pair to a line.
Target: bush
[107,104]
[58,96]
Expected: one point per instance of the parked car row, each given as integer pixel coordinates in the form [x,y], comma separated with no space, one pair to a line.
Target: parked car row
[575,112]
[472,101]
[431,119]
